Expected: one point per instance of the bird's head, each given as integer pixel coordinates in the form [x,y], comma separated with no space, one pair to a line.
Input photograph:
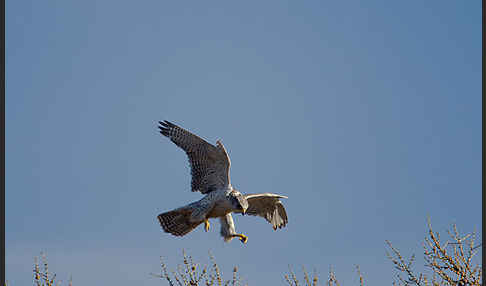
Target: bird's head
[239,202]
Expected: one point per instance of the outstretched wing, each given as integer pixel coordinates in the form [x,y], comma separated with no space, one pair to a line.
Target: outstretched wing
[269,207]
[209,164]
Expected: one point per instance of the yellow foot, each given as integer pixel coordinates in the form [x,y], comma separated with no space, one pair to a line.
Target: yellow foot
[206,225]
[243,238]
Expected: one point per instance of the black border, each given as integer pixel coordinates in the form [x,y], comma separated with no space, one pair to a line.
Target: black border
[2,125]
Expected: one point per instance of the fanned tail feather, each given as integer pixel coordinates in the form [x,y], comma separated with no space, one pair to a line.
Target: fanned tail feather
[177,222]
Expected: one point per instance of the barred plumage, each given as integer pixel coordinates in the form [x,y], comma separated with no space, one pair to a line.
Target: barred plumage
[209,164]
[177,222]
[210,175]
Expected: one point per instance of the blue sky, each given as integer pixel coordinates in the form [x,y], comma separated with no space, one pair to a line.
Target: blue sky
[365,114]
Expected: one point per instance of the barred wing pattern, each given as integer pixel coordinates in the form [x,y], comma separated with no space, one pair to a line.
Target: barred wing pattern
[269,207]
[209,164]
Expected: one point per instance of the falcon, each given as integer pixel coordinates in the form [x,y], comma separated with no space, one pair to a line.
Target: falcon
[210,166]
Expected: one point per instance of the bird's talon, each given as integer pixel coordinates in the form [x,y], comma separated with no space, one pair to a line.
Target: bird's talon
[206,225]
[243,238]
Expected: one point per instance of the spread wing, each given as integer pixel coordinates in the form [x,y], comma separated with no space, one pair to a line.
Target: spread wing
[209,164]
[269,207]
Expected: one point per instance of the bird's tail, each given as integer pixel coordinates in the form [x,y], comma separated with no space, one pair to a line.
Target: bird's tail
[177,222]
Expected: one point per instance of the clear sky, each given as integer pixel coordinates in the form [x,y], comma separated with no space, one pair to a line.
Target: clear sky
[366,114]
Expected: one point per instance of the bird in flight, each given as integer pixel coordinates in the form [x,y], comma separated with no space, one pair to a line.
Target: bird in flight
[210,175]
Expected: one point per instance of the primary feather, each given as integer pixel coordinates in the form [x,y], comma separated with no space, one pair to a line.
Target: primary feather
[209,164]
[268,206]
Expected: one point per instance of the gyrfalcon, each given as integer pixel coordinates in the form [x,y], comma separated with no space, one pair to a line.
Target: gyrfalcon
[210,175]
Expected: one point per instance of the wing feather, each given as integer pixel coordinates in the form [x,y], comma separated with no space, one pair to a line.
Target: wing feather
[209,164]
[268,206]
